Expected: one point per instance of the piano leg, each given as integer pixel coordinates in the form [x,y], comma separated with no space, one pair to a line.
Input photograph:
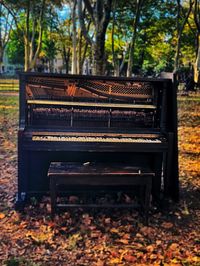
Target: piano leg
[172,188]
[22,177]
[156,184]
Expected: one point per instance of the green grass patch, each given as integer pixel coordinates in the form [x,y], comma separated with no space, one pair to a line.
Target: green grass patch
[9,117]
[7,100]
[10,80]
[186,99]
[9,85]
[9,89]
[9,109]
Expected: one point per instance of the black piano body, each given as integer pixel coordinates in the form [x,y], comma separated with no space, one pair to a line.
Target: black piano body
[78,118]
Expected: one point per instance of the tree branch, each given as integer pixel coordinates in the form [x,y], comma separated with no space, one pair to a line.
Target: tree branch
[40,33]
[196,19]
[13,14]
[186,17]
[106,14]
[82,23]
[89,9]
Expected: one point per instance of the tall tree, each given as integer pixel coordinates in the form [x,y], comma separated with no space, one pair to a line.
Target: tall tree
[99,12]
[182,19]
[197,22]
[74,39]
[114,57]
[33,13]
[6,23]
[138,8]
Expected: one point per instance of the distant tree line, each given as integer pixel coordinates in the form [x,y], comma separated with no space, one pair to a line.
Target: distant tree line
[129,37]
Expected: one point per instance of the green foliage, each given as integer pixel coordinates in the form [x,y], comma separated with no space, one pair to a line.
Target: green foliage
[155,40]
[155,46]
[15,48]
[49,49]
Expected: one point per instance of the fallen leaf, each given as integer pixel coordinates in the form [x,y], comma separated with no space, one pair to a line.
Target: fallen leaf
[2,215]
[114,231]
[100,263]
[147,230]
[22,225]
[174,261]
[115,261]
[87,219]
[174,246]
[158,242]
[48,207]
[150,248]
[153,256]
[95,234]
[38,237]
[73,240]
[123,241]
[130,258]
[167,225]
[107,220]
[114,253]
[126,236]
[196,259]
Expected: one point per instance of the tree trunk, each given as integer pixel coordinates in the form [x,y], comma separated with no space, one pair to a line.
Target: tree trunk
[177,55]
[5,30]
[100,16]
[66,57]
[178,45]
[82,49]
[1,59]
[26,54]
[197,64]
[180,28]
[132,45]
[114,58]
[80,37]
[99,54]
[74,39]
[1,41]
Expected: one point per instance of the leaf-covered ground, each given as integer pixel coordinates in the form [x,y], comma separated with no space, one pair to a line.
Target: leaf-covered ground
[103,237]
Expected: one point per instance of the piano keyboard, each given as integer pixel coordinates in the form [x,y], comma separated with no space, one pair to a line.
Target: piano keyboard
[95,139]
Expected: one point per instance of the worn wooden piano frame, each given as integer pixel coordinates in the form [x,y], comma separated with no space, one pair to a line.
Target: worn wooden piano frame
[32,178]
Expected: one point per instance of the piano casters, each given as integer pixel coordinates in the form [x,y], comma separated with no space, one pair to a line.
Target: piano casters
[20,201]
[21,195]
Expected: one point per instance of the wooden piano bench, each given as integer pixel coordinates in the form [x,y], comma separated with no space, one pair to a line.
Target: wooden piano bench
[92,175]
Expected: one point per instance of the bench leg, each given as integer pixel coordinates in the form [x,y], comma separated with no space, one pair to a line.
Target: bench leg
[147,199]
[53,195]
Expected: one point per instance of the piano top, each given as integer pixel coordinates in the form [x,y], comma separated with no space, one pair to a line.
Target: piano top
[26,75]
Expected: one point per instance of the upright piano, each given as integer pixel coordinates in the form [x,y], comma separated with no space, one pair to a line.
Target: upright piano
[76,118]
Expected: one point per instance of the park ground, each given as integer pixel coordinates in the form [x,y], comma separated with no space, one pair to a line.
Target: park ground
[101,238]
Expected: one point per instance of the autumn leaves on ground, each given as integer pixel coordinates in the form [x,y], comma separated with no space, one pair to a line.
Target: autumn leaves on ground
[100,238]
